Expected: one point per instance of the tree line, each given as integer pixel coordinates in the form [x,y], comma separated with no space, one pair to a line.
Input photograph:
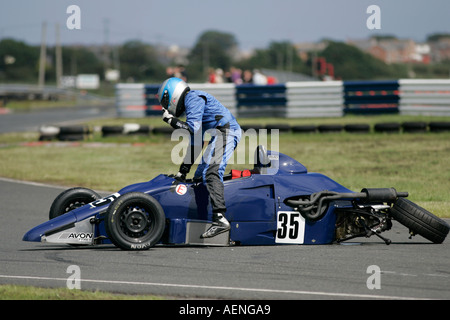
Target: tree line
[143,62]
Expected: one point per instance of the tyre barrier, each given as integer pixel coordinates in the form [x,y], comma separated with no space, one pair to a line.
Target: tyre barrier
[65,133]
[414,127]
[439,126]
[357,128]
[330,128]
[78,133]
[388,127]
[306,128]
[126,129]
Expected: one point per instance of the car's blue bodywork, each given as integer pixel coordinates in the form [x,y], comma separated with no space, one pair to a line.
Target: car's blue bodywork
[256,209]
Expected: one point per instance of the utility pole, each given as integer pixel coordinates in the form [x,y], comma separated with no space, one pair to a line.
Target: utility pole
[58,53]
[106,49]
[289,57]
[205,56]
[43,57]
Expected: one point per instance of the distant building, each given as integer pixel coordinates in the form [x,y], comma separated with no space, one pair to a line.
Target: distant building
[440,49]
[393,50]
[304,48]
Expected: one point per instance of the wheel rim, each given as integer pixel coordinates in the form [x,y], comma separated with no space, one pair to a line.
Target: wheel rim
[74,205]
[135,223]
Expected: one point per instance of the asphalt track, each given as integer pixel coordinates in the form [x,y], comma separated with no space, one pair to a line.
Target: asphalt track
[410,269]
[31,121]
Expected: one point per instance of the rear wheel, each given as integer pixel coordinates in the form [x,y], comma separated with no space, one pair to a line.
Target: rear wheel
[71,199]
[135,221]
[420,221]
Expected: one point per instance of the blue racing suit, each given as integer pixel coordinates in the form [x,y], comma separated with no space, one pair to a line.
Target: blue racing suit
[204,113]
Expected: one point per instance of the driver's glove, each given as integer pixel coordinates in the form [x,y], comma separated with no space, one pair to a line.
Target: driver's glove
[167,117]
[180,177]
[182,173]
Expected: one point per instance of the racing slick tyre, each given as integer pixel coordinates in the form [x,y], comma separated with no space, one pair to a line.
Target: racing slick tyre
[420,221]
[135,221]
[71,199]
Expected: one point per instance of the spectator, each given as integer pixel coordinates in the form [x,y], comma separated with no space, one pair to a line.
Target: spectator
[236,75]
[211,75]
[219,75]
[259,78]
[271,80]
[170,72]
[247,77]
[180,72]
[227,77]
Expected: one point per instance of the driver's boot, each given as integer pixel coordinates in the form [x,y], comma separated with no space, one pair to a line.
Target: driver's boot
[220,225]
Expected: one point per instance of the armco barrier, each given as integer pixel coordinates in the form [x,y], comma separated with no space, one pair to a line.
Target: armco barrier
[259,100]
[314,99]
[130,100]
[224,92]
[371,97]
[152,103]
[139,100]
[307,99]
[425,97]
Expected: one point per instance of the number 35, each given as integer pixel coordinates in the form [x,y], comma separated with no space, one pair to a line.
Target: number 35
[290,227]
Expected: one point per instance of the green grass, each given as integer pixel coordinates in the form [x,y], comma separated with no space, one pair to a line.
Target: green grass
[13,292]
[417,163]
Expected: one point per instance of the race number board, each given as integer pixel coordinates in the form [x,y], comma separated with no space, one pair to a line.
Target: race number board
[290,227]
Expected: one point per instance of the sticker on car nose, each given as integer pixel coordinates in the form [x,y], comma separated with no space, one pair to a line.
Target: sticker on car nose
[181,189]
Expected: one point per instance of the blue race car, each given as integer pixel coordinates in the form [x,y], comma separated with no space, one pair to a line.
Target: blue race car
[277,202]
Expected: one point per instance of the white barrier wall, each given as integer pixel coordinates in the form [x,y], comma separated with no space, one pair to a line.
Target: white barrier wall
[224,92]
[305,99]
[425,97]
[314,99]
[130,100]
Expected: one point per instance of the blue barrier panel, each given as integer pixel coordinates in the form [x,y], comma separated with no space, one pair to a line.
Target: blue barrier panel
[260,100]
[152,103]
[371,97]
[258,95]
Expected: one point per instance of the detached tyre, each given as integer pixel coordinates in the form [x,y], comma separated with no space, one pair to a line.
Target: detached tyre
[420,221]
[135,221]
[71,199]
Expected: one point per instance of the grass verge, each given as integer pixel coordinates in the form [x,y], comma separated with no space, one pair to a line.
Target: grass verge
[417,163]
[13,292]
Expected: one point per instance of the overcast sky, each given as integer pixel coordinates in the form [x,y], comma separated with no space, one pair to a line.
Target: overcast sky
[254,23]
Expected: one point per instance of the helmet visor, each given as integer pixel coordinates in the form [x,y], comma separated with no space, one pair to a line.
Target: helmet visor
[164,100]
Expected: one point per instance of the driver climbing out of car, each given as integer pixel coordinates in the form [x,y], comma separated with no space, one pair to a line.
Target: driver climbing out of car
[203,113]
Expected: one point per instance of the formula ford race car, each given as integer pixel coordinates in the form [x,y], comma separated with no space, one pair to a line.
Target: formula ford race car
[277,202]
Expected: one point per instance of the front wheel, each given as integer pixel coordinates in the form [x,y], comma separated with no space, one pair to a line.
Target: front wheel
[135,221]
[419,220]
[71,199]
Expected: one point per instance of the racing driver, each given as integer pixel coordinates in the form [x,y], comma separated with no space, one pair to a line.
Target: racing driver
[203,113]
